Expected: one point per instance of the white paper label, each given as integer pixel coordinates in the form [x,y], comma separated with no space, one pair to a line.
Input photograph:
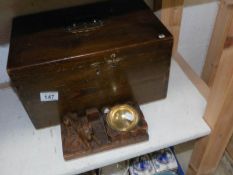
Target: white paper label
[49,96]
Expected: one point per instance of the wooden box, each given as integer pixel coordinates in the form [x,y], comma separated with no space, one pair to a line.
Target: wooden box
[88,56]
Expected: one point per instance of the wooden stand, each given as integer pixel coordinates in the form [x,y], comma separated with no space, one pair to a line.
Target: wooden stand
[87,134]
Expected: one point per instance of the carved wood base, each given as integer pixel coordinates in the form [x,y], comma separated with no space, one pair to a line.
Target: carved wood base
[89,133]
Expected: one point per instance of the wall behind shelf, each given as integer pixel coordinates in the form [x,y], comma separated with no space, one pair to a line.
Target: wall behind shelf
[197,26]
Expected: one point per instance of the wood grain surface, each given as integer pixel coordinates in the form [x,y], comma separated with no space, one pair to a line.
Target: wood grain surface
[219,116]
[219,36]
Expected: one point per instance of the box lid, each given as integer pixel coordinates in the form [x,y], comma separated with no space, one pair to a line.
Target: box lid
[75,32]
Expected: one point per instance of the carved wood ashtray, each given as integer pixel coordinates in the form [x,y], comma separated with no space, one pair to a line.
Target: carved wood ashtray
[96,131]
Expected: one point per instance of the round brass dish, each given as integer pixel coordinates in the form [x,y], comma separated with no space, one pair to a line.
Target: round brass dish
[122,118]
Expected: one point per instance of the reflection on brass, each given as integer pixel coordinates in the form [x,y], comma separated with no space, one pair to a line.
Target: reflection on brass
[122,118]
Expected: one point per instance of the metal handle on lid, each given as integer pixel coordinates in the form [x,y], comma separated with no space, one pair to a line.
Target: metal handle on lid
[85,26]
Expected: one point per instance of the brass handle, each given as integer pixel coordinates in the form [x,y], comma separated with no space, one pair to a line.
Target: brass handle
[85,26]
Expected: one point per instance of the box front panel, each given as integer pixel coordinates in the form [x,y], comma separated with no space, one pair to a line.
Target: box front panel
[139,73]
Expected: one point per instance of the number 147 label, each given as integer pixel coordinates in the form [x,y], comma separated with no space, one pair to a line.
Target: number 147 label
[49,96]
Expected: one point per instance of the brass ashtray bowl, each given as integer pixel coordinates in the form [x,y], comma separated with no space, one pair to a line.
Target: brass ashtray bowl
[122,118]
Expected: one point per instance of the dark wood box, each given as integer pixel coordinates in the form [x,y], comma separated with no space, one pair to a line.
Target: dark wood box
[93,55]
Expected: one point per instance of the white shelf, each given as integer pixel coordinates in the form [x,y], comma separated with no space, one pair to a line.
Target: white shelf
[24,150]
